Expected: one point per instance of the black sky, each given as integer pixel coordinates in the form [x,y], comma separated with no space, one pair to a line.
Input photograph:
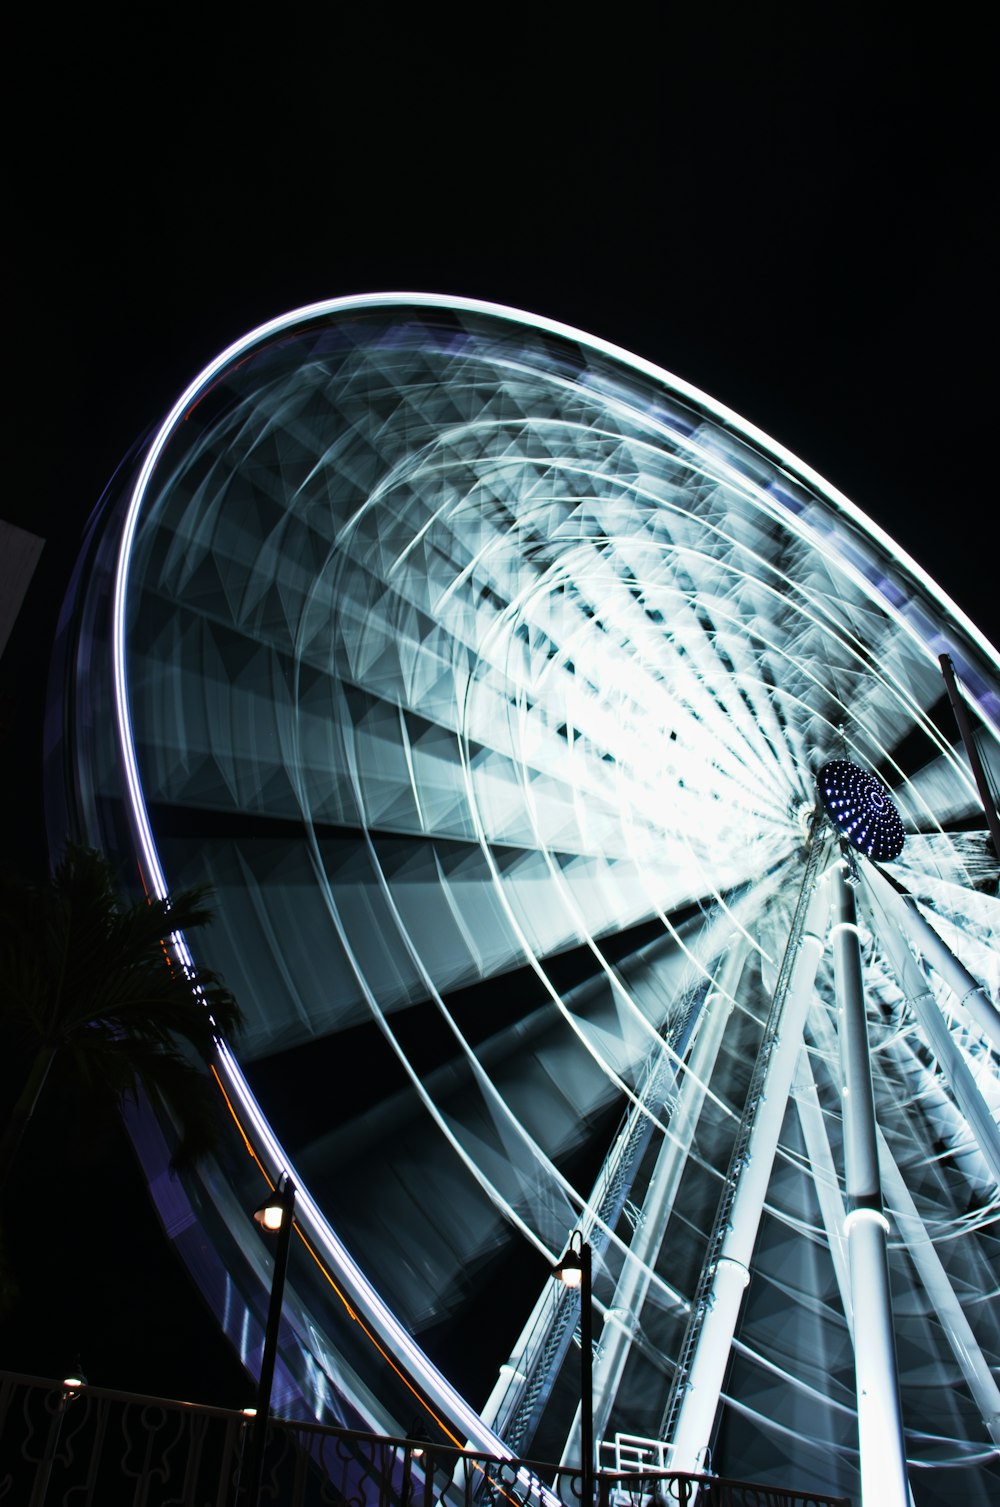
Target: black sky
[792,209]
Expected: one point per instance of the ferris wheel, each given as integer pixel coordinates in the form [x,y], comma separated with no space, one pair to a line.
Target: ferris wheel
[593,850]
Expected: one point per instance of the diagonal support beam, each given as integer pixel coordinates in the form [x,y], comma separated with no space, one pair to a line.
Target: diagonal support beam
[621,1319]
[901,909]
[917,991]
[824,1175]
[717,1304]
[937,1284]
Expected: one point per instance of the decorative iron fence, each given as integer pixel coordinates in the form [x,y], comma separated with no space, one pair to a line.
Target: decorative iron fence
[662,1488]
[67,1444]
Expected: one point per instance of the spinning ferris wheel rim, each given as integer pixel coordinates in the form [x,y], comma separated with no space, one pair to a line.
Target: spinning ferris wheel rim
[464,1417]
[328,308]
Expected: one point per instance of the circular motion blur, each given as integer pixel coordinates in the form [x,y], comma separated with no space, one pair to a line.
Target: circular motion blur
[486,672]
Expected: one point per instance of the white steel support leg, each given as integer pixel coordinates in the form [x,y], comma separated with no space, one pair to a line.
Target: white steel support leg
[732,1275]
[824,1175]
[621,1319]
[911,979]
[902,910]
[880,1425]
[722,938]
[937,1284]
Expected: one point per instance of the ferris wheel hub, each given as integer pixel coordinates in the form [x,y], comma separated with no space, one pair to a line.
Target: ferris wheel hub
[862,809]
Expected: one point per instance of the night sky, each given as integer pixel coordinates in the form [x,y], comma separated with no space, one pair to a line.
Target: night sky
[795,212]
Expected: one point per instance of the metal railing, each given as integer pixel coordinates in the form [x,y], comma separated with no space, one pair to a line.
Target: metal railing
[66,1444]
[655,1487]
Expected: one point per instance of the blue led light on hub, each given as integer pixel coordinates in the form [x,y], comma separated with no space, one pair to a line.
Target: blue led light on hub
[859,804]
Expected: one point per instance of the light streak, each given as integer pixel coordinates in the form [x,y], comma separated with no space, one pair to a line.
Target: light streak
[627,633]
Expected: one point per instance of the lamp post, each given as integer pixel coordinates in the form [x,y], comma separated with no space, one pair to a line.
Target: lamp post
[575,1269]
[274,1214]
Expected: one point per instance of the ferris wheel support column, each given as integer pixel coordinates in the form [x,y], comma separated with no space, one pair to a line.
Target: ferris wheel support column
[880,1422]
[730,1275]
[824,1174]
[715,954]
[971,751]
[621,1319]
[902,909]
[923,1253]
[916,987]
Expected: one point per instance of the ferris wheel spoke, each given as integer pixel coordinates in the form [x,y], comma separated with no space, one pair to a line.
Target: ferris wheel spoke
[486,673]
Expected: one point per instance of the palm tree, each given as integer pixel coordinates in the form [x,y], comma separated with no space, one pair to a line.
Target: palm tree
[90,981]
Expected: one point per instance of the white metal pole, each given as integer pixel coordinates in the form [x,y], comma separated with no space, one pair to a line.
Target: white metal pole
[937,1284]
[622,1317]
[880,1424]
[824,1176]
[708,1367]
[702,956]
[915,986]
[971,751]
[902,909]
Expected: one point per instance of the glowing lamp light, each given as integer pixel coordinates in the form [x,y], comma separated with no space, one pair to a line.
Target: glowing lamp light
[570,1269]
[270,1215]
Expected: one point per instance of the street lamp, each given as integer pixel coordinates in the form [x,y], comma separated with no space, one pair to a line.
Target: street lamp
[575,1270]
[275,1214]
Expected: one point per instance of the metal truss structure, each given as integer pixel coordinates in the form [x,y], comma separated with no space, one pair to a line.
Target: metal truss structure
[485,672]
